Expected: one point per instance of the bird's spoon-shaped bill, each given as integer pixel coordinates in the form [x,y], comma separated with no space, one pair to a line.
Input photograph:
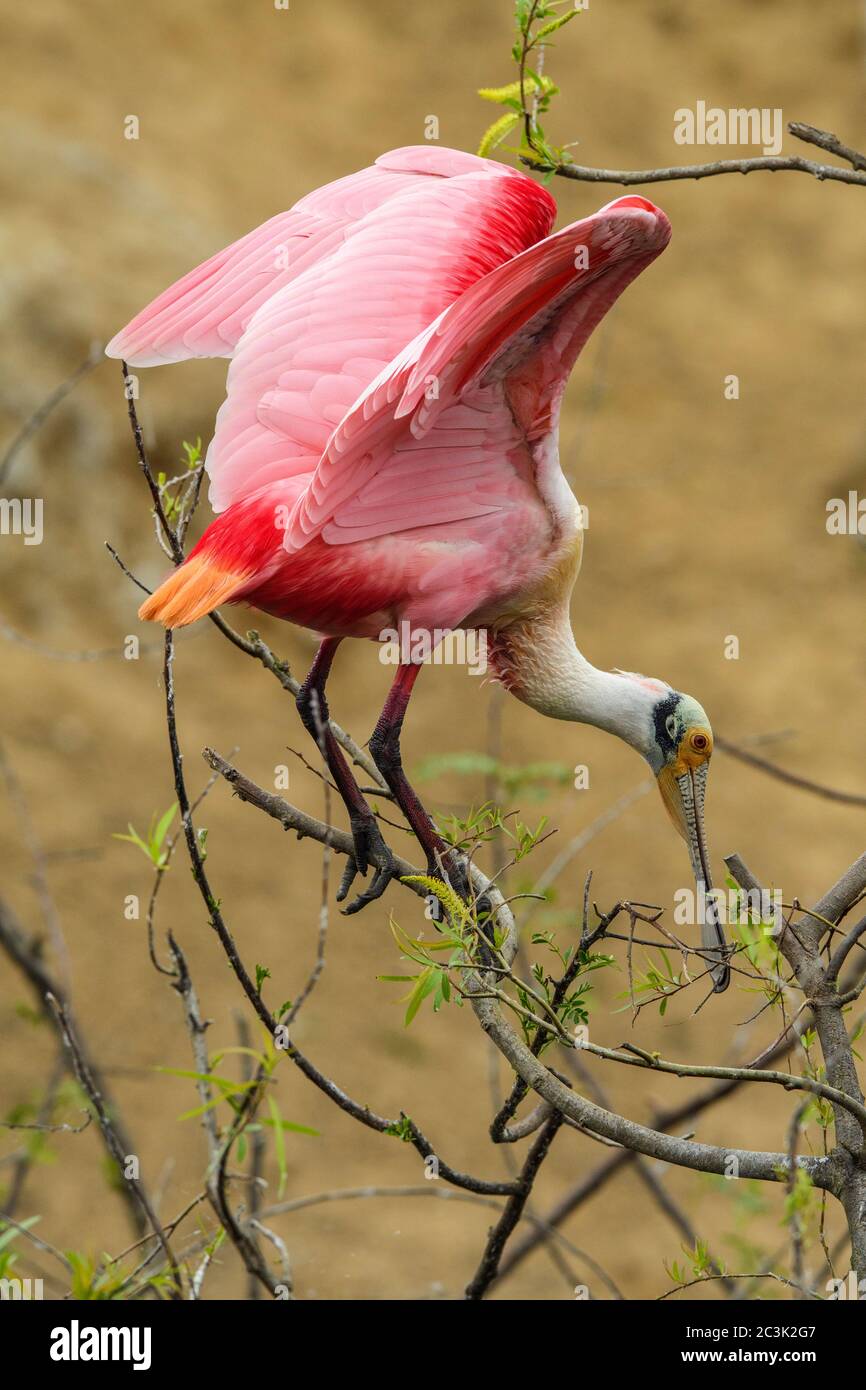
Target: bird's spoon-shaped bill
[683,790]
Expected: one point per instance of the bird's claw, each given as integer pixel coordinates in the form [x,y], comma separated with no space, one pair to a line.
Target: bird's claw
[369,849]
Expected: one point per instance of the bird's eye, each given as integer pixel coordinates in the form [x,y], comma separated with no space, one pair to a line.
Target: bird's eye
[671,726]
[698,742]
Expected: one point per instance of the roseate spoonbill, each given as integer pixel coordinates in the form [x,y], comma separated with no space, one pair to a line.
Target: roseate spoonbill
[386,456]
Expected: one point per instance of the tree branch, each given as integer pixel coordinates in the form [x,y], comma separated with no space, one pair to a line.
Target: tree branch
[803,783]
[683,1153]
[794,163]
[489,1266]
[784,1079]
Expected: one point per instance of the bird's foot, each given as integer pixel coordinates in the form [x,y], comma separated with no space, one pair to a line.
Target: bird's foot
[369,850]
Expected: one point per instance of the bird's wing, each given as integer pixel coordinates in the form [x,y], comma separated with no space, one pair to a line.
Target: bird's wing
[429,439]
[204,314]
[312,349]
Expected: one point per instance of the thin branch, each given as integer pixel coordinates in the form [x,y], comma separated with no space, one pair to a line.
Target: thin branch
[197,1028]
[253,645]
[784,1079]
[836,1048]
[646,1171]
[825,140]
[430,1189]
[257,1145]
[535,155]
[325,880]
[291,818]
[804,783]
[37,419]
[795,1223]
[701,1157]
[579,842]
[36,1240]
[767,1274]
[36,850]
[244,1243]
[27,956]
[489,1265]
[174,546]
[50,1129]
[840,955]
[113,1143]
[768,163]
[666,1119]
[18,639]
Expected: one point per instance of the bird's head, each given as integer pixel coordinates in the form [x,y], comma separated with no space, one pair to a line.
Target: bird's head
[678,750]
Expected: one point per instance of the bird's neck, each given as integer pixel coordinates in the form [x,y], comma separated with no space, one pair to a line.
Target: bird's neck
[538,660]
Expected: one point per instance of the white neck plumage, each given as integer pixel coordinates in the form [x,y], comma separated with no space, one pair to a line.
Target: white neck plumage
[539,662]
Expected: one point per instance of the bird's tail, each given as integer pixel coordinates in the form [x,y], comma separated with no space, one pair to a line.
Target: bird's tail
[194,589]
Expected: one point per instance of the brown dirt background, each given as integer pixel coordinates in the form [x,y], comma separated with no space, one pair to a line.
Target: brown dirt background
[706,519]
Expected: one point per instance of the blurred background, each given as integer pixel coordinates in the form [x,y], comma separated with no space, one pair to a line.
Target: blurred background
[707,520]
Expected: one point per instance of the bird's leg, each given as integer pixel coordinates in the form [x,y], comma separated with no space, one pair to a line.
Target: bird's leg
[385,751]
[370,847]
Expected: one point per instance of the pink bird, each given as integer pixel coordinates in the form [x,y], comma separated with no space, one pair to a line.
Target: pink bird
[386,457]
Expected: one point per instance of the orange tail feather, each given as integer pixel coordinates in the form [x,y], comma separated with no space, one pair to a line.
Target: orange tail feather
[194,589]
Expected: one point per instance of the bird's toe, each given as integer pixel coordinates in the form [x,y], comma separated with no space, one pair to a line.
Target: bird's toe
[380,881]
[369,850]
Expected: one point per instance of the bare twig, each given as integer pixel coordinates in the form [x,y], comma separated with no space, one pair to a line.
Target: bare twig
[792,779]
[766,1274]
[767,163]
[827,1004]
[840,955]
[27,956]
[113,1143]
[683,1153]
[290,817]
[795,1223]
[776,1078]
[37,419]
[197,1028]
[50,1129]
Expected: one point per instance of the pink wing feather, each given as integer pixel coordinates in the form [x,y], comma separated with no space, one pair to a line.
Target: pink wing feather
[205,313]
[499,357]
[312,349]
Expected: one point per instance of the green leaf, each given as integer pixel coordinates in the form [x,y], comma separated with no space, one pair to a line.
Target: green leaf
[522,13]
[134,839]
[235,1051]
[425,985]
[7,1236]
[279,1144]
[401,1129]
[162,825]
[291,1128]
[203,1109]
[193,453]
[226,1083]
[464,763]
